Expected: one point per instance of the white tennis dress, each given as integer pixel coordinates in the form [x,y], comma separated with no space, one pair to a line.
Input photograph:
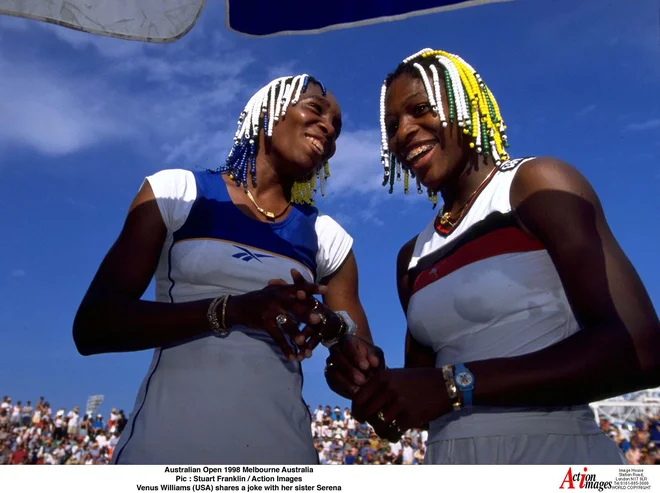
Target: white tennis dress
[234,399]
[487,290]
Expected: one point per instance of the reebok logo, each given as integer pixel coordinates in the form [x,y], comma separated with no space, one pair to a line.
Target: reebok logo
[246,255]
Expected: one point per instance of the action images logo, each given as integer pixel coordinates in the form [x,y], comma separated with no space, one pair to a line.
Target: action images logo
[582,480]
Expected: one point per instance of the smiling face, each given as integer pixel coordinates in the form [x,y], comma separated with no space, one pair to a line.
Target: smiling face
[305,137]
[416,136]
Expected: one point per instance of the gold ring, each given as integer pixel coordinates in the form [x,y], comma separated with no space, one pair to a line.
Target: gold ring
[316,304]
[380,416]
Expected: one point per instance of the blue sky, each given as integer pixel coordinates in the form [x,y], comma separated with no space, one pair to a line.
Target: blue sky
[84,118]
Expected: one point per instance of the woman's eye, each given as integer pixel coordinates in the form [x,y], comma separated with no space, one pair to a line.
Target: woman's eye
[391,128]
[421,108]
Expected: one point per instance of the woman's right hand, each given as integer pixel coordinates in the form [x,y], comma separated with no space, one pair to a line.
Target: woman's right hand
[260,310]
[351,363]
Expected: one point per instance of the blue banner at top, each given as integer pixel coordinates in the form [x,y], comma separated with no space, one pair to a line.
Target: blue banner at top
[272,17]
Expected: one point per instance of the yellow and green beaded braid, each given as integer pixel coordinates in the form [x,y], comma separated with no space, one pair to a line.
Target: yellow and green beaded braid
[472,107]
[262,112]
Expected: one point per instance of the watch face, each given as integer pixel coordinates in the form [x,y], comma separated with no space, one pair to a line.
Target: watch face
[464,379]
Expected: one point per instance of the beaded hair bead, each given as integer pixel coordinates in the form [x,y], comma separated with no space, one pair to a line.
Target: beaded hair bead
[472,108]
[262,112]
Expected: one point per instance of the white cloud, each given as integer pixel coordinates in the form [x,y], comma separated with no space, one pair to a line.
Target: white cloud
[52,113]
[586,110]
[178,102]
[283,70]
[18,273]
[646,125]
[105,45]
[356,165]
[171,99]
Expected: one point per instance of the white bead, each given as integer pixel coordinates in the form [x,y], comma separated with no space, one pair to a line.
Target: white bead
[438,95]
[427,84]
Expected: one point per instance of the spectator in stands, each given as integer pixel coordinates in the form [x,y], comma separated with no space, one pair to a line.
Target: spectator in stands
[26,414]
[318,414]
[654,430]
[418,456]
[59,425]
[73,422]
[15,417]
[98,422]
[121,422]
[97,447]
[349,457]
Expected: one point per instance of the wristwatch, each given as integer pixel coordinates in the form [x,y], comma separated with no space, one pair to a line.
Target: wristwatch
[464,380]
[348,327]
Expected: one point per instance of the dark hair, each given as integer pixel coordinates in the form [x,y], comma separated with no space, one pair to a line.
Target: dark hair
[262,112]
[408,68]
[472,107]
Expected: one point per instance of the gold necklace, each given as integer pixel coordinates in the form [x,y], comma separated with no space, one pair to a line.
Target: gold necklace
[446,217]
[264,212]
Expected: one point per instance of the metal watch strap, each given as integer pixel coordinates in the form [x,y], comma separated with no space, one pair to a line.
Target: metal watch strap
[348,327]
[452,391]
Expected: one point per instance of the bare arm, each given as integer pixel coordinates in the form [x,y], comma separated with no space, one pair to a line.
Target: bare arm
[616,351]
[618,348]
[416,354]
[343,295]
[351,359]
[111,317]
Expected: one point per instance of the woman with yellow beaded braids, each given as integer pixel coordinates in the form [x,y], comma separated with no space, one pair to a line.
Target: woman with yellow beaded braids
[521,307]
[237,254]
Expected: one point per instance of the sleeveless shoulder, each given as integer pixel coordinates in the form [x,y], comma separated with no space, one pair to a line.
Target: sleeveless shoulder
[175,191]
[493,201]
[334,245]
[499,191]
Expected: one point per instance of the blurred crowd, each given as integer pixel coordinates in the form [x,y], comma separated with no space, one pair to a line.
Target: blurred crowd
[37,434]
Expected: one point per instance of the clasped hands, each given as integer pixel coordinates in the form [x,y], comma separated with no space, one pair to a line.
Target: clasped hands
[287,309]
[391,400]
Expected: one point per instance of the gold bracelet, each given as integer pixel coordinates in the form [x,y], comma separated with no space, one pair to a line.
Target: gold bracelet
[212,316]
[452,391]
[224,313]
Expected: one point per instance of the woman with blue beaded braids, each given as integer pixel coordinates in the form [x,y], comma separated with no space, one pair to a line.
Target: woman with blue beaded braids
[237,254]
[521,306]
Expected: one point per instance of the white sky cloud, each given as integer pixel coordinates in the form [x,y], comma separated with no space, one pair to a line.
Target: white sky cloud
[644,125]
[52,113]
[177,102]
[356,165]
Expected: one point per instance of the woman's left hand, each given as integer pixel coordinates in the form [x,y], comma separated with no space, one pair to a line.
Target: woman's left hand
[311,335]
[404,398]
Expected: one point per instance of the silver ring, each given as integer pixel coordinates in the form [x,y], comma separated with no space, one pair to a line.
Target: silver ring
[327,367]
[324,319]
[281,319]
[316,304]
